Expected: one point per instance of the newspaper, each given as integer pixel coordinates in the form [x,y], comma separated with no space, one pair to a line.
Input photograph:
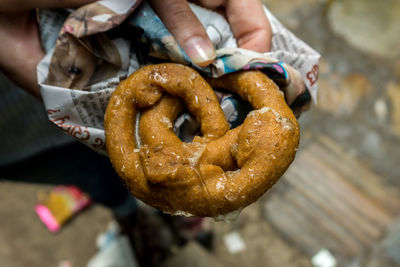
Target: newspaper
[91,49]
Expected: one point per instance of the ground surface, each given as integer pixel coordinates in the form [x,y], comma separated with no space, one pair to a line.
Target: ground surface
[340,194]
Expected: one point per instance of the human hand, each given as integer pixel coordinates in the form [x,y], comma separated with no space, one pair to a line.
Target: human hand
[247,19]
[21,50]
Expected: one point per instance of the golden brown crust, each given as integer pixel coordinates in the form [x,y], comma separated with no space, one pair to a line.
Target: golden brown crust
[218,173]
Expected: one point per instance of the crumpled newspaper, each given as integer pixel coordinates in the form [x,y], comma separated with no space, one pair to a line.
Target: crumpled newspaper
[100,44]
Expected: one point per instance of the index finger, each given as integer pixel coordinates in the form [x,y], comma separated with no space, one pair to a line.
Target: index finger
[249,24]
[186,28]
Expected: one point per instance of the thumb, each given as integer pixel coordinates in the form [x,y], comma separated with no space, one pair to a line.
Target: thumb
[249,24]
[186,28]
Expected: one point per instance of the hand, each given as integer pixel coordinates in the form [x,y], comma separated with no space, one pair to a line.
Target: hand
[21,51]
[247,19]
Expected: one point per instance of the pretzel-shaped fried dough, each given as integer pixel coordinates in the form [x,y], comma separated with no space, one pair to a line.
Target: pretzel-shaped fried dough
[220,172]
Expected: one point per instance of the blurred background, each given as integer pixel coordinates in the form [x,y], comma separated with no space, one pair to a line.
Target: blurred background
[339,202]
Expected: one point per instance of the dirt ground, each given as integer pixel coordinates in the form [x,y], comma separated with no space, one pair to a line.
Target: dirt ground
[342,192]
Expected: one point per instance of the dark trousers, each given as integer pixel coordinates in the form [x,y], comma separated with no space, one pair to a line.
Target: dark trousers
[73,164]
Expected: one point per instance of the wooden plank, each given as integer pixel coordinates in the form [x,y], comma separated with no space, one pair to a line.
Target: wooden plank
[294,225]
[331,208]
[345,200]
[327,199]
[359,175]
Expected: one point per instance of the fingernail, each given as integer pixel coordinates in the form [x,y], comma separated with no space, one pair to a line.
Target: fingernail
[200,51]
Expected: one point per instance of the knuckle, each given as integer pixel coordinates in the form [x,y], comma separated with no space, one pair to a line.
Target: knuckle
[179,10]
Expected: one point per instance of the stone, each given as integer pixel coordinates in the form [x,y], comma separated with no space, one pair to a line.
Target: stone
[381,110]
[341,95]
[391,242]
[192,255]
[386,252]
[397,69]
[290,13]
[369,25]
[393,91]
[264,247]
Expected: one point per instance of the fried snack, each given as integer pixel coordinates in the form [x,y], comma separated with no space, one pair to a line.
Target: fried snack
[217,173]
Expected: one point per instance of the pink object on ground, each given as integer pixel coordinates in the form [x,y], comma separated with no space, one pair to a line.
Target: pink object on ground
[47,218]
[60,204]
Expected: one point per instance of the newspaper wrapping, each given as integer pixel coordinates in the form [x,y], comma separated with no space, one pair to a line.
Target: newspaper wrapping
[91,49]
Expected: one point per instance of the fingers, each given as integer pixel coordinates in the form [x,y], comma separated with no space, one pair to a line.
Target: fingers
[186,28]
[249,24]
[211,4]
[12,6]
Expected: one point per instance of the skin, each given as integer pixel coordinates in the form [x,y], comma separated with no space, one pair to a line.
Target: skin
[21,50]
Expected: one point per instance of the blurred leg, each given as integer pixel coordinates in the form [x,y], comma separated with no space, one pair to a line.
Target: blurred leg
[73,164]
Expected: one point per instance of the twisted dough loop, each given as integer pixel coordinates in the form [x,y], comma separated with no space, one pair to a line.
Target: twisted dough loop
[220,172]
